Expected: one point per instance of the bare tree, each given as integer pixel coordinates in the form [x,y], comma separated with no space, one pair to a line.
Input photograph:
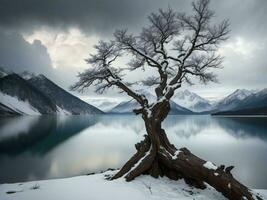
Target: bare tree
[178,46]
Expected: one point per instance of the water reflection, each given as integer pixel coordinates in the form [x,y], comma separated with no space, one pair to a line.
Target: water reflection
[39,134]
[49,147]
[242,127]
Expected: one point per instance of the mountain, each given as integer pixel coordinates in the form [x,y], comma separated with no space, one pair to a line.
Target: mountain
[258,99]
[125,107]
[128,106]
[104,104]
[244,102]
[27,75]
[36,95]
[66,102]
[233,100]
[22,97]
[179,110]
[191,101]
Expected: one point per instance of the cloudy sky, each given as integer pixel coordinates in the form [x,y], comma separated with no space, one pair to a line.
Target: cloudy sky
[54,37]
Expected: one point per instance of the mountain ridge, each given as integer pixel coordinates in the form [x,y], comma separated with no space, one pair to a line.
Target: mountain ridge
[19,96]
[15,86]
[62,98]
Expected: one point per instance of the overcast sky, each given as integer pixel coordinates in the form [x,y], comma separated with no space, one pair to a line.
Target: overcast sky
[54,37]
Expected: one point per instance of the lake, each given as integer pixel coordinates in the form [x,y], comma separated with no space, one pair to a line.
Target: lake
[45,147]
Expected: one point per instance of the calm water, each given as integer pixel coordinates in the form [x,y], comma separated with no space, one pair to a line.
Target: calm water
[33,148]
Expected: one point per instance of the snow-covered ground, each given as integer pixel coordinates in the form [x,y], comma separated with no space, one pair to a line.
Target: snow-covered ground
[95,187]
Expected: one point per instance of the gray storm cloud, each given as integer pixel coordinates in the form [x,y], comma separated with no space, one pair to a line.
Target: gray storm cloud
[19,55]
[101,16]
[244,52]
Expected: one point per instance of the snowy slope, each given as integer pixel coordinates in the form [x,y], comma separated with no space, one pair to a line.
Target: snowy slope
[61,97]
[125,107]
[191,101]
[95,187]
[253,104]
[104,104]
[233,100]
[6,111]
[25,96]
[239,94]
[34,95]
[22,107]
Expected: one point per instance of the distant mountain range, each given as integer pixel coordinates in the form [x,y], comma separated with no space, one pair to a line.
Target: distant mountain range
[128,106]
[245,102]
[31,94]
[192,101]
[104,104]
[36,95]
[232,101]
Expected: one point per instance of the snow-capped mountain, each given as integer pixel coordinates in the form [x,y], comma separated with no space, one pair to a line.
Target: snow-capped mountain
[233,100]
[22,97]
[192,101]
[125,107]
[66,102]
[244,102]
[104,104]
[239,99]
[27,75]
[128,106]
[255,100]
[37,96]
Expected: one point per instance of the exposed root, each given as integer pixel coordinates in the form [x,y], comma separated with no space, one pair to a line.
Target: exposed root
[142,148]
[176,164]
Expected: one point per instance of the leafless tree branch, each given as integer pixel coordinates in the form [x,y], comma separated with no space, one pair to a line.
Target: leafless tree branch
[177,45]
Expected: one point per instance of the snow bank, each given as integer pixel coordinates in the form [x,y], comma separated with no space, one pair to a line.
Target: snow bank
[23,107]
[95,187]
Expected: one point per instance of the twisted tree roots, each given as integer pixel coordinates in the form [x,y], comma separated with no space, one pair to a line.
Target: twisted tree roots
[175,164]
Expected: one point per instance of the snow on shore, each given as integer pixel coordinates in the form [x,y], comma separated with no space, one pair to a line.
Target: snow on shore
[95,187]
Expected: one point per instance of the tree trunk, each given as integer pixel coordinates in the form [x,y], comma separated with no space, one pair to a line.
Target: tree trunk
[156,156]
